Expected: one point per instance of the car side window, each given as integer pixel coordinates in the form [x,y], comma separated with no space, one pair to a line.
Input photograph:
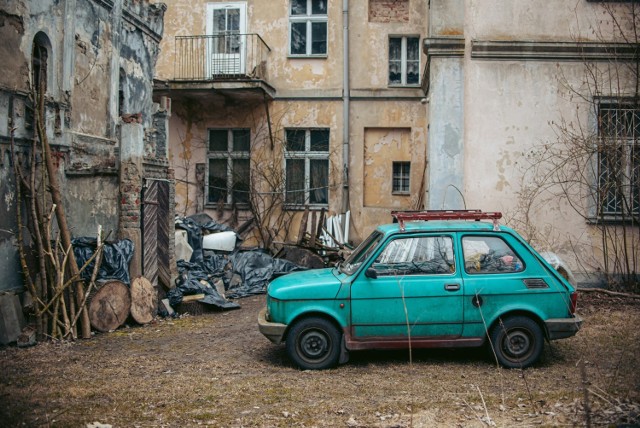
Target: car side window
[489,254]
[416,256]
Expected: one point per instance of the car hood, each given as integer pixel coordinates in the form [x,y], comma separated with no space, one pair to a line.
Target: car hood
[308,284]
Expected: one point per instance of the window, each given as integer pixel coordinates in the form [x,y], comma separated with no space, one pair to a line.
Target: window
[121,95]
[404,61]
[308,28]
[307,166]
[619,159]
[489,254]
[40,49]
[39,59]
[417,255]
[228,166]
[226,26]
[401,174]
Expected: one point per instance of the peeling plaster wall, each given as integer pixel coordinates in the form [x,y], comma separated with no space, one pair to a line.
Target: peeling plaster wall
[407,118]
[509,107]
[308,93]
[532,20]
[87,39]
[92,77]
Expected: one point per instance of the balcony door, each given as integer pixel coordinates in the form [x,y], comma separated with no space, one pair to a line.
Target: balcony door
[226,47]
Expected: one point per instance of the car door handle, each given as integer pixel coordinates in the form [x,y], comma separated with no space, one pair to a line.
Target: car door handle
[452,287]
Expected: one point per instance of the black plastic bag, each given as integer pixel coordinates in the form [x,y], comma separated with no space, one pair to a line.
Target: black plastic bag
[115,258]
[256,269]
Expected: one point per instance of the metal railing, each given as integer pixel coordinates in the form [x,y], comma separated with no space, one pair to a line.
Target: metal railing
[225,56]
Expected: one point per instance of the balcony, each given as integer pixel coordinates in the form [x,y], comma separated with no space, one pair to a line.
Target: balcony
[233,66]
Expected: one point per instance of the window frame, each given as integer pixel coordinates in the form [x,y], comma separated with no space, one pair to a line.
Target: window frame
[307,155]
[230,155]
[517,262]
[401,177]
[629,157]
[403,61]
[398,256]
[309,19]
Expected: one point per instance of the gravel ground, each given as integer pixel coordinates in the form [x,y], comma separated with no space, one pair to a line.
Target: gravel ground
[216,369]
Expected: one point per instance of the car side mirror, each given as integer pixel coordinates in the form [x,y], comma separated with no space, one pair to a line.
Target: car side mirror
[371,273]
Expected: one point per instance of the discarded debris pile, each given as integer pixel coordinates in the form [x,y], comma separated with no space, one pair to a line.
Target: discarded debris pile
[322,240]
[217,270]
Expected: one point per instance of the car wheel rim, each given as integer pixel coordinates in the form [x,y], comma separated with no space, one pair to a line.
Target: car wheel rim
[518,344]
[314,345]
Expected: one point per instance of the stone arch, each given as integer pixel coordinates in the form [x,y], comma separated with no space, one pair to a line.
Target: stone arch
[40,63]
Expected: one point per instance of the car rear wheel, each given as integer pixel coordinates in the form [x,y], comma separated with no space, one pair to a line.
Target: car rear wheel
[314,344]
[517,342]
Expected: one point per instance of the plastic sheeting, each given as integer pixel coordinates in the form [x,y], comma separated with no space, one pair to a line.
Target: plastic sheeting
[115,258]
[243,272]
[256,269]
[193,279]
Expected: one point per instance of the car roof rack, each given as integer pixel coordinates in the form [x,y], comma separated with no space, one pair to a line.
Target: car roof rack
[477,215]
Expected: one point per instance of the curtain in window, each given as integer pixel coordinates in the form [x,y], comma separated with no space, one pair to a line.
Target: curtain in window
[319,177]
[295,181]
[217,180]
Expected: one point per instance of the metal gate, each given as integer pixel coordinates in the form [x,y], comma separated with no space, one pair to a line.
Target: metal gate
[155,233]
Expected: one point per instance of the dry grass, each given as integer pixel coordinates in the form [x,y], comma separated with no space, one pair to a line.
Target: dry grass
[217,370]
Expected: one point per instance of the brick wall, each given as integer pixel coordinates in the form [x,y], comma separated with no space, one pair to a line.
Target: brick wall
[388,10]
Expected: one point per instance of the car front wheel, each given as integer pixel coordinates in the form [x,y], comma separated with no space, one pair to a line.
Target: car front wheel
[517,342]
[314,344]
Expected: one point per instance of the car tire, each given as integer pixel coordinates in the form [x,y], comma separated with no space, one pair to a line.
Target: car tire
[517,342]
[314,344]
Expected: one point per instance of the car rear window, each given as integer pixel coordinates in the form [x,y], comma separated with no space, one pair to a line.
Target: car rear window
[489,254]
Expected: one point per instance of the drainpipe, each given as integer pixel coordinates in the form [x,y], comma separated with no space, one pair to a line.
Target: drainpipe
[345,106]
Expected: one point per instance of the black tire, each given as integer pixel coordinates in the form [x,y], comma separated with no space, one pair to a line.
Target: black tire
[517,342]
[314,344]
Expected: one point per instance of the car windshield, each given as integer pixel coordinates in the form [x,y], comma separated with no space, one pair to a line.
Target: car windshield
[361,253]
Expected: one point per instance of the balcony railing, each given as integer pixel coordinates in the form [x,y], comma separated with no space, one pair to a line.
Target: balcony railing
[216,57]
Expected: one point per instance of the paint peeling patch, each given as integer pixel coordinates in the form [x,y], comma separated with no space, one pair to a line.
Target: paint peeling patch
[9,197]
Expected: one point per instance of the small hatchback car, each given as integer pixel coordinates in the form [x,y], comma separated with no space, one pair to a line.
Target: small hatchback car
[432,279]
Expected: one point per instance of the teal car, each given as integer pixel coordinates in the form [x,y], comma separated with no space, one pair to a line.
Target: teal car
[429,280]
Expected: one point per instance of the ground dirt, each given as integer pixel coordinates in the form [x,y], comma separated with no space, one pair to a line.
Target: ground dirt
[216,369]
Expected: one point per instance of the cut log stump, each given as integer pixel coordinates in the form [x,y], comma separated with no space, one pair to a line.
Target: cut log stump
[110,306]
[144,300]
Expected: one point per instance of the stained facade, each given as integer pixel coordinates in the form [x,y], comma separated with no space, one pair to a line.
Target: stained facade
[374,105]
[94,61]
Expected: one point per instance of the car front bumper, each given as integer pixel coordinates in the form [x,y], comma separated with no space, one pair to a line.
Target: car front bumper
[560,328]
[271,330]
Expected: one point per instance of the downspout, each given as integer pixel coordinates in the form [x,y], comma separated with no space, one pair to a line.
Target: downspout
[345,106]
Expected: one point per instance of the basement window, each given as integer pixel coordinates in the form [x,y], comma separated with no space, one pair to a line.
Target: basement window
[307,167]
[228,167]
[404,61]
[401,175]
[308,28]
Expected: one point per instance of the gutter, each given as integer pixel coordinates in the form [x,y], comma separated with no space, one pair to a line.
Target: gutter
[345,106]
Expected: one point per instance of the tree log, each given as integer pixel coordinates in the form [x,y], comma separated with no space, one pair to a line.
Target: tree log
[144,300]
[110,306]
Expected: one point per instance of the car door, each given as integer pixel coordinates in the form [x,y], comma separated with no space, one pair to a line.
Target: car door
[412,287]
[500,275]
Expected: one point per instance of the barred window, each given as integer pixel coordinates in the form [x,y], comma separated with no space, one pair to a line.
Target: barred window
[228,166]
[619,159]
[307,166]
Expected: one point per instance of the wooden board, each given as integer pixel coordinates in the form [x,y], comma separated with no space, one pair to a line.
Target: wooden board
[144,300]
[110,306]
